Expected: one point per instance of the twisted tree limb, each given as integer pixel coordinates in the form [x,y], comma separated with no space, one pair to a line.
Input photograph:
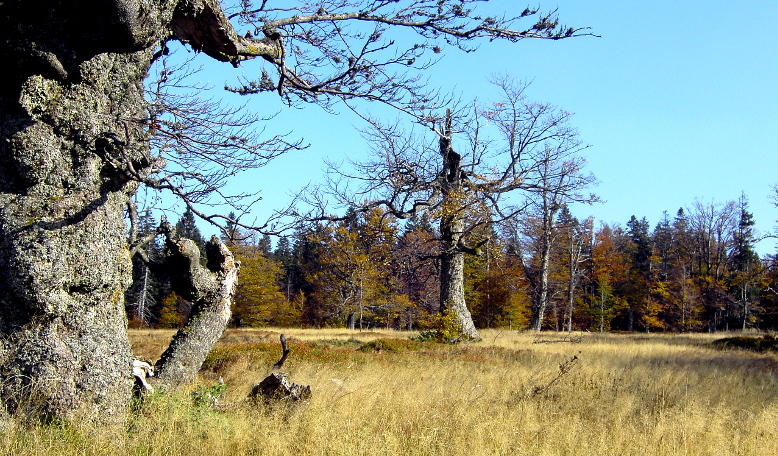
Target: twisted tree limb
[284,354]
[210,289]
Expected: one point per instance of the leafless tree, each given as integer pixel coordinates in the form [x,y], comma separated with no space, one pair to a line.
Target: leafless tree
[560,181]
[712,225]
[514,150]
[577,236]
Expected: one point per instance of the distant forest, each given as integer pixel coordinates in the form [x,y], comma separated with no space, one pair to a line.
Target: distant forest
[696,270]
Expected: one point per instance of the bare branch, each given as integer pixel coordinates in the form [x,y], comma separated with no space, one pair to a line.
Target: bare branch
[341,50]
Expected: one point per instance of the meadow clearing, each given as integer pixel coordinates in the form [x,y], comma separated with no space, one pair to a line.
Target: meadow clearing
[513,393]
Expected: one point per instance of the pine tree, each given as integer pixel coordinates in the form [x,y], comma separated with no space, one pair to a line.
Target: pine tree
[745,265]
[186,227]
[415,268]
[150,284]
[639,250]
[231,233]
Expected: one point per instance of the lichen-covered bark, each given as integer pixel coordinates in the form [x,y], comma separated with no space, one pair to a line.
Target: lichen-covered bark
[452,232]
[452,275]
[210,288]
[73,125]
[63,258]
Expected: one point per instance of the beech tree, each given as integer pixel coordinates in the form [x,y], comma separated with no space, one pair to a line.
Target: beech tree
[558,178]
[76,130]
[712,225]
[467,190]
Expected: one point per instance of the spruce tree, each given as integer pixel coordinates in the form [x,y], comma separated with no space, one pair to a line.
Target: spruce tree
[186,227]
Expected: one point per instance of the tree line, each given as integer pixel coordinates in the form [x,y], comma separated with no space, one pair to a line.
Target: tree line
[694,271]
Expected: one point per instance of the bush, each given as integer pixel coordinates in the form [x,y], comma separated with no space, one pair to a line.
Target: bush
[758,344]
[446,329]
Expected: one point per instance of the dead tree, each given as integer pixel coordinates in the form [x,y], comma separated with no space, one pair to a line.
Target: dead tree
[276,388]
[210,289]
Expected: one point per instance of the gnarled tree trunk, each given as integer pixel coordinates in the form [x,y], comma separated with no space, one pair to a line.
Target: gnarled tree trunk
[452,275]
[63,253]
[452,232]
[73,147]
[210,288]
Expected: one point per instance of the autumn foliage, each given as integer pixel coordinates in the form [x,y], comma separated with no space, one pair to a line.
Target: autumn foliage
[696,271]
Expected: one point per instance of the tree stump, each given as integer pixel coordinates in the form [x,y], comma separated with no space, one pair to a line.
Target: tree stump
[277,389]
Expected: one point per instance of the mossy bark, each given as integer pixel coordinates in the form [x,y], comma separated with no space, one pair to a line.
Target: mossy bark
[210,288]
[73,147]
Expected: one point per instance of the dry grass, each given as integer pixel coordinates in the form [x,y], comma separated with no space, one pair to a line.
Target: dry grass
[380,393]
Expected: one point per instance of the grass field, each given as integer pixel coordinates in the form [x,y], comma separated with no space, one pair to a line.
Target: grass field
[514,393]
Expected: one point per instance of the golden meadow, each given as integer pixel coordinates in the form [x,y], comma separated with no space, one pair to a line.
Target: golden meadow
[513,393]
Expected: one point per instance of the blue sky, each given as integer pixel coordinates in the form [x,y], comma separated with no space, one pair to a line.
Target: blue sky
[678,100]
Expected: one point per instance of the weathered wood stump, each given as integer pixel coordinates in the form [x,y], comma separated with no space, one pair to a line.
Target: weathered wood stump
[277,389]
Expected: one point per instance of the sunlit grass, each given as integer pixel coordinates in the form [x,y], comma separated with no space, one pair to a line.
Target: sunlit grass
[378,392]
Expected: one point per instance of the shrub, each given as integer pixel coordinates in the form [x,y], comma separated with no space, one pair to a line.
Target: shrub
[758,344]
[446,329]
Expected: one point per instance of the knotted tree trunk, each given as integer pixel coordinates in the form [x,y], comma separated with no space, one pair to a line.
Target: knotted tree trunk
[73,148]
[64,260]
[452,235]
[210,289]
[452,275]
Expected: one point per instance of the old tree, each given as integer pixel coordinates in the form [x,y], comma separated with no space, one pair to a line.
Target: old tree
[77,130]
[515,152]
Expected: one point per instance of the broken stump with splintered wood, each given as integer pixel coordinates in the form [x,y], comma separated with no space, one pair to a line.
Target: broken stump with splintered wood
[276,387]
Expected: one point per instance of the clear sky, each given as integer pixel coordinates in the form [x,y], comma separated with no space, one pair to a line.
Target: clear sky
[678,100]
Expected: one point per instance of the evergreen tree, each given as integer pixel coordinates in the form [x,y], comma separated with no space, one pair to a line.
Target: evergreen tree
[307,252]
[663,242]
[745,266]
[150,284]
[231,233]
[265,245]
[416,269]
[186,227]
[639,251]
[285,255]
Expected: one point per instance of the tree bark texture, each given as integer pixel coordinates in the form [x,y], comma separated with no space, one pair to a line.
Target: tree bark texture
[73,146]
[541,302]
[210,288]
[452,232]
[452,291]
[63,253]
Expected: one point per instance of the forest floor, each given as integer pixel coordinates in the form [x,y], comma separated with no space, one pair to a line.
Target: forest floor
[514,393]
